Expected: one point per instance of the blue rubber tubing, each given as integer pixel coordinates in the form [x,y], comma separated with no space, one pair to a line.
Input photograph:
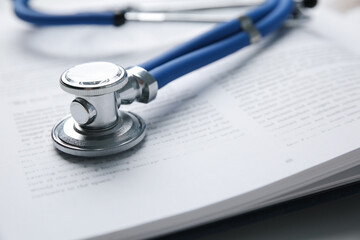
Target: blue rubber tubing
[218,33]
[26,13]
[206,55]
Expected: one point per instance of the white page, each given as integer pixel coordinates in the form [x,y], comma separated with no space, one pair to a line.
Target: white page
[205,142]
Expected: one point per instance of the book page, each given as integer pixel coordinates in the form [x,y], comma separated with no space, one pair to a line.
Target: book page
[259,116]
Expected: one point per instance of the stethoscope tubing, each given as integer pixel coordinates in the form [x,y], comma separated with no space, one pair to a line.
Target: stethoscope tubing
[220,32]
[191,61]
[224,39]
[26,13]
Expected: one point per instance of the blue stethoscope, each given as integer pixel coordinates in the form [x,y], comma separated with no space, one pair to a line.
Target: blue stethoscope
[96,126]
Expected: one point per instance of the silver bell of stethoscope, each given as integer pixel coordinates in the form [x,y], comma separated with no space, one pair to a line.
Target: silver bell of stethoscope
[96,126]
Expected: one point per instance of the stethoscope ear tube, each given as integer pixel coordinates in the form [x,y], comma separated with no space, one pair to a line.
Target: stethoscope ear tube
[218,33]
[26,13]
[116,18]
[191,61]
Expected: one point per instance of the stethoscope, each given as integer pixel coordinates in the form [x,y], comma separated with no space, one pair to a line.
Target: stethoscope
[96,126]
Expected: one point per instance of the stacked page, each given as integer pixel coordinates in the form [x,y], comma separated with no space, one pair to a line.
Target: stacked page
[273,122]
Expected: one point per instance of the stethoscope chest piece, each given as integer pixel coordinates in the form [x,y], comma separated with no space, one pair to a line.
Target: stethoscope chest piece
[70,138]
[96,126]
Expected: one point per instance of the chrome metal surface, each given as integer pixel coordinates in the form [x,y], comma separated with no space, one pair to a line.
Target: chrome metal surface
[184,6]
[248,26]
[91,79]
[147,85]
[178,6]
[180,11]
[175,17]
[128,131]
[96,126]
[82,111]
[141,86]
[107,111]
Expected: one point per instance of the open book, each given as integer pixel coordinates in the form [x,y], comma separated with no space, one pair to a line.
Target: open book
[274,122]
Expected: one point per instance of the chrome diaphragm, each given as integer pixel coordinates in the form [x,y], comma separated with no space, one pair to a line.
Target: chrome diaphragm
[96,126]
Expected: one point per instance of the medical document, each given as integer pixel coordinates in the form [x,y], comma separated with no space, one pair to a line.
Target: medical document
[275,121]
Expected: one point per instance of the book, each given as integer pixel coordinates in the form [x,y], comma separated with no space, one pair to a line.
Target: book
[274,122]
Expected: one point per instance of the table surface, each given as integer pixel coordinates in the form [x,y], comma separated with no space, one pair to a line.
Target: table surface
[332,214]
[339,219]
